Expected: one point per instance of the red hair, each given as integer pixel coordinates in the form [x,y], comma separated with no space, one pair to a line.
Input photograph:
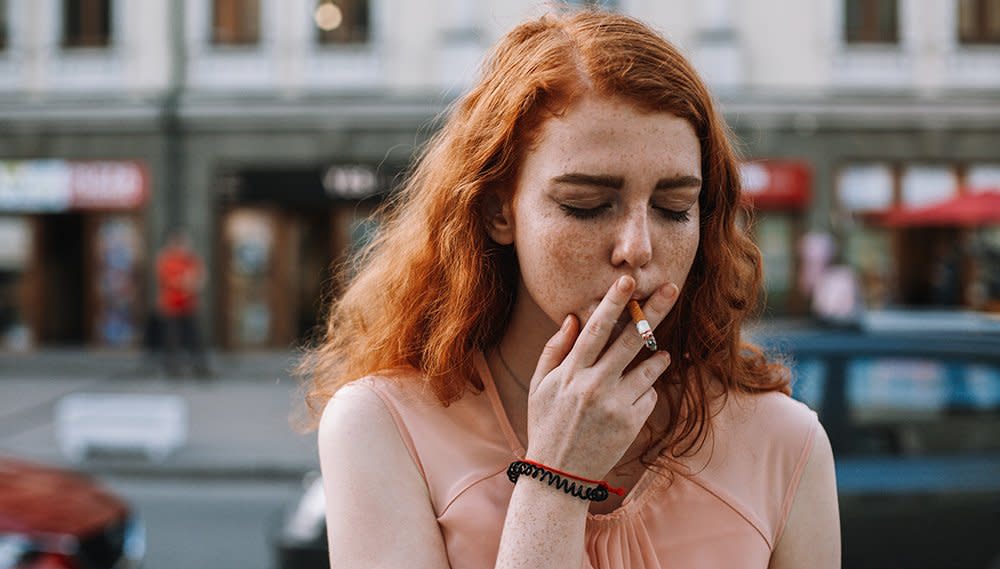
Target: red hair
[433,288]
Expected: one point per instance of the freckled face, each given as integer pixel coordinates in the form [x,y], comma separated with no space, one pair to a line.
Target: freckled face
[607,190]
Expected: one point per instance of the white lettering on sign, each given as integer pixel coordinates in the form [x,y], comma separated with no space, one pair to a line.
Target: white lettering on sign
[353,182]
[34,185]
[111,185]
[60,185]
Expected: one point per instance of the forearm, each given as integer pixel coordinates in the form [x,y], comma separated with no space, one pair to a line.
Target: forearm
[544,528]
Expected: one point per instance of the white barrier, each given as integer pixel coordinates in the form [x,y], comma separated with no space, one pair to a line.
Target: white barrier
[153,424]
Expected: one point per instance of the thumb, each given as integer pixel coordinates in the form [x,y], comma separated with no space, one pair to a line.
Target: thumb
[556,349]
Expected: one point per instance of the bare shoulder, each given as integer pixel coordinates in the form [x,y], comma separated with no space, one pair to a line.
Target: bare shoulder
[375,494]
[811,536]
[778,407]
[771,416]
[354,415]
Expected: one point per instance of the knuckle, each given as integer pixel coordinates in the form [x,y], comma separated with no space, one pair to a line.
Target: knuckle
[649,399]
[606,412]
[632,340]
[651,372]
[588,397]
[595,328]
[551,347]
[660,362]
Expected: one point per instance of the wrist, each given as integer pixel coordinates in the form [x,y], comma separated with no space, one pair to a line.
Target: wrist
[539,496]
[580,471]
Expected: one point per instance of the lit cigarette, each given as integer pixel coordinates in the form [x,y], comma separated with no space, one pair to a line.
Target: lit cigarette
[642,325]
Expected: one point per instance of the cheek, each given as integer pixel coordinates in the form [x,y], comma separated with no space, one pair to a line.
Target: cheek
[570,251]
[678,248]
[690,244]
[558,261]
[685,249]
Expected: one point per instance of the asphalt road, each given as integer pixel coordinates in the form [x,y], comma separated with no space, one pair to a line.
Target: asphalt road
[205,523]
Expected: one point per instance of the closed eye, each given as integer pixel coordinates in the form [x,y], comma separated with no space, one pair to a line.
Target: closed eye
[679,216]
[675,215]
[584,212]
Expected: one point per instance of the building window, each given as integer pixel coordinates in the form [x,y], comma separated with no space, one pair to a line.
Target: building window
[236,22]
[871,21]
[983,178]
[979,21]
[927,184]
[342,21]
[86,23]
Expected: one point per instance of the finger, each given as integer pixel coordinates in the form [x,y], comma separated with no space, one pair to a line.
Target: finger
[636,382]
[555,350]
[597,331]
[629,342]
[645,404]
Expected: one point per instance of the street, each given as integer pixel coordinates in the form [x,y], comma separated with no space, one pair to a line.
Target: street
[192,524]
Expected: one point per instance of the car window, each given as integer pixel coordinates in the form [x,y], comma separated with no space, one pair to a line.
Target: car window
[924,406]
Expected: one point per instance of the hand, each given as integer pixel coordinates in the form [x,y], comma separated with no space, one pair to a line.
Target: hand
[583,413]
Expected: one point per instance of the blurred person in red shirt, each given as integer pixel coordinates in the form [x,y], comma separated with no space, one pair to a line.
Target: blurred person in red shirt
[180,276]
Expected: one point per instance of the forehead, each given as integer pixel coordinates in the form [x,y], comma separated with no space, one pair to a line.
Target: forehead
[597,133]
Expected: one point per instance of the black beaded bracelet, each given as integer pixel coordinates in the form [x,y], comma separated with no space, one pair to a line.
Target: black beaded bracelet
[593,494]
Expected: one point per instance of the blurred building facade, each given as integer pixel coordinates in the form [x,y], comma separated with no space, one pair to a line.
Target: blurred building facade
[271,128]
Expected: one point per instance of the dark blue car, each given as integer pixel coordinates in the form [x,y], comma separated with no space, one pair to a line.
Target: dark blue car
[914,420]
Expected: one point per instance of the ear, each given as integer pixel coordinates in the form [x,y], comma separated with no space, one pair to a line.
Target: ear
[497,210]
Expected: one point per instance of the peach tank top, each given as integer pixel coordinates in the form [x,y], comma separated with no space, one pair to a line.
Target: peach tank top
[728,510]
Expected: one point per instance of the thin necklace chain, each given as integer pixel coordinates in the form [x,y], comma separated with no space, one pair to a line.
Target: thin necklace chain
[510,372]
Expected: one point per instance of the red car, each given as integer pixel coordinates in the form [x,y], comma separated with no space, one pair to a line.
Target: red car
[57,519]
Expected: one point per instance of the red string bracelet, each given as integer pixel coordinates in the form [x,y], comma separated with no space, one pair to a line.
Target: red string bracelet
[560,480]
[601,483]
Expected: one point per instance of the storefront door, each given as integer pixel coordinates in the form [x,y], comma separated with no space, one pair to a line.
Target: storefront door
[280,267]
[250,246]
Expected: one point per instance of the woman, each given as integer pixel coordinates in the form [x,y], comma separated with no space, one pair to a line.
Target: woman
[487,325]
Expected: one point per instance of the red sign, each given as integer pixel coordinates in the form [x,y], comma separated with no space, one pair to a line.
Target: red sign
[107,185]
[776,185]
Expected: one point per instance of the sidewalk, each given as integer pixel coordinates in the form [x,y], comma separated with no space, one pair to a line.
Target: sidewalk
[238,421]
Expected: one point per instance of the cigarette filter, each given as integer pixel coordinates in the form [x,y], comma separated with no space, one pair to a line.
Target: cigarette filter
[642,325]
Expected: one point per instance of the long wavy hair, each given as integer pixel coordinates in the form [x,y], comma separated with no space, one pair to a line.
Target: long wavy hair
[433,288]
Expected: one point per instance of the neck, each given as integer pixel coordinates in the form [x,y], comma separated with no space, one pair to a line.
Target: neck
[527,331]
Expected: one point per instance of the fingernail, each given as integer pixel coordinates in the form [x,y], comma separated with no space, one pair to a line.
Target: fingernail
[565,324]
[623,283]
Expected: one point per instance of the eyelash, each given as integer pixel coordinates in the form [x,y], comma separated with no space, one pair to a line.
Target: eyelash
[591,213]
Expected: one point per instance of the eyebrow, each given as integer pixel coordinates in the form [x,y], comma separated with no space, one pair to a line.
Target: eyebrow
[616,182]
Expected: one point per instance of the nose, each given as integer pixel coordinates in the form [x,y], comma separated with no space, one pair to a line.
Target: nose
[633,245]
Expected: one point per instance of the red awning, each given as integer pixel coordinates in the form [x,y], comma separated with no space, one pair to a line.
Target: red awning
[776,184]
[965,210]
